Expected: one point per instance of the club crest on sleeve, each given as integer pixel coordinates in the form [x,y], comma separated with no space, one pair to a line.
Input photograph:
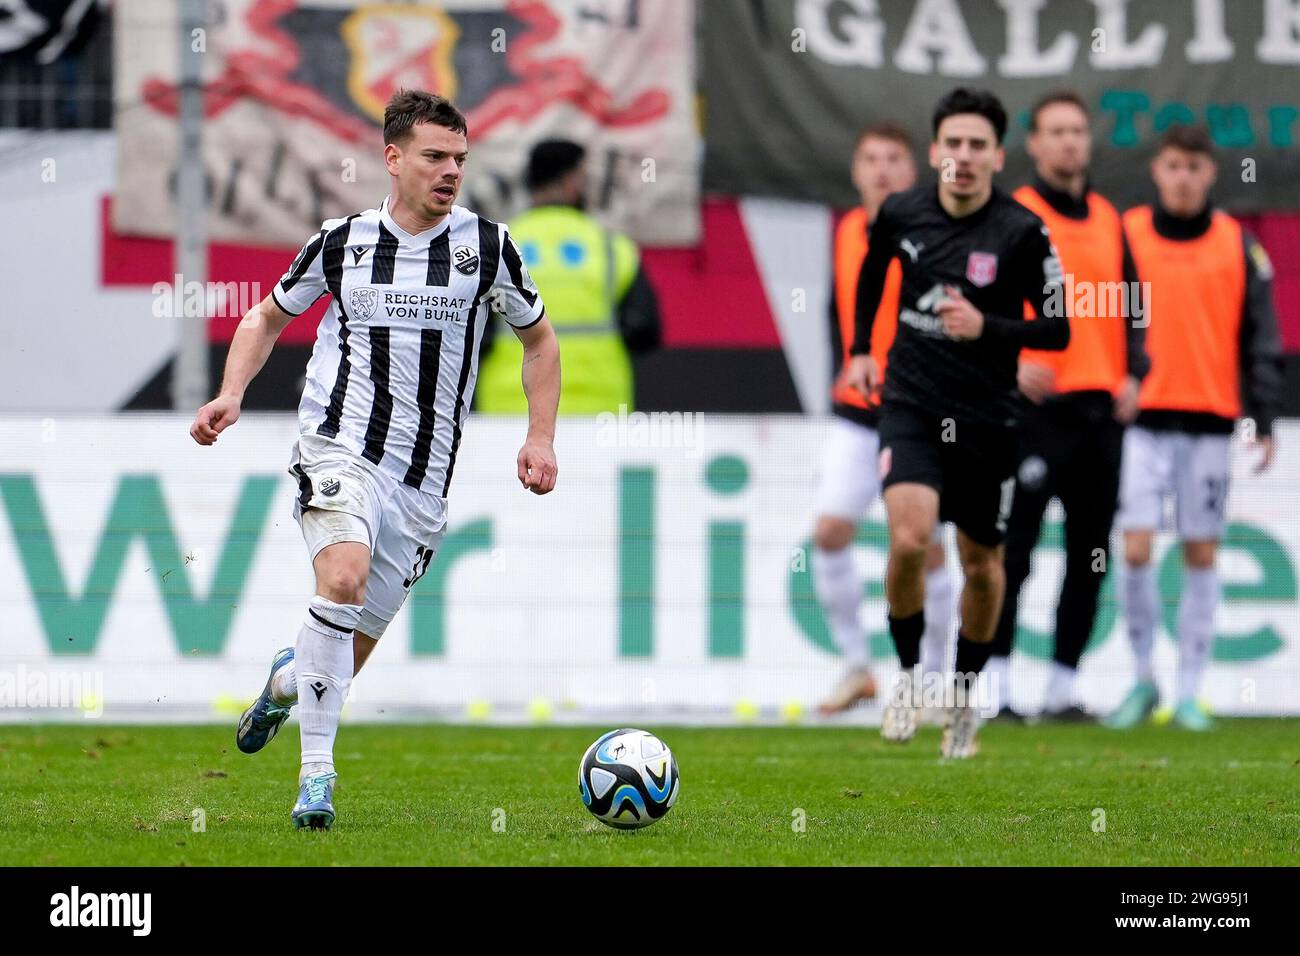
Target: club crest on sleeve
[465,259]
[364,301]
[981,268]
[329,487]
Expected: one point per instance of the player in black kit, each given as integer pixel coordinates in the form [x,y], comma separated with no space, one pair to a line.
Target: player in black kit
[972,257]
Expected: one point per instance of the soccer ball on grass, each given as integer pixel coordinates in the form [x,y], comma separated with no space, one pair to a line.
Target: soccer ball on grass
[628,779]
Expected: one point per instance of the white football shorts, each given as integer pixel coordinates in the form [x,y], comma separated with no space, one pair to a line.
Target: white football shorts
[342,497]
[1192,468]
[848,479]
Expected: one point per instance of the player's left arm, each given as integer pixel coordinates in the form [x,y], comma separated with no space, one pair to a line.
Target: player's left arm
[514,297]
[1137,360]
[541,373]
[1034,270]
[1135,326]
[1260,348]
[861,371]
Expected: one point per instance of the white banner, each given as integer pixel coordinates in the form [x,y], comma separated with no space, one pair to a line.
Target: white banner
[295,94]
[144,576]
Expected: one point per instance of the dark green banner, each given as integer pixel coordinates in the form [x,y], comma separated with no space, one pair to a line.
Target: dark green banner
[788,83]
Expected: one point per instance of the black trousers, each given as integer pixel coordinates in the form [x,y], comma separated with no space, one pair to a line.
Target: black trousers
[1071,451]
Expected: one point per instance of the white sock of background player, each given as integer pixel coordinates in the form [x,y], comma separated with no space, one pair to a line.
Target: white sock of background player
[938,621]
[1195,628]
[1141,603]
[839,589]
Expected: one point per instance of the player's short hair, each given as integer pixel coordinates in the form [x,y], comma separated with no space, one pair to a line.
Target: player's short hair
[963,100]
[550,161]
[1190,139]
[407,108]
[1051,99]
[892,132]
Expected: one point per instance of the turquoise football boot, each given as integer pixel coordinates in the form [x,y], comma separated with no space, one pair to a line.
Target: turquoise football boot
[315,806]
[1136,708]
[1189,716]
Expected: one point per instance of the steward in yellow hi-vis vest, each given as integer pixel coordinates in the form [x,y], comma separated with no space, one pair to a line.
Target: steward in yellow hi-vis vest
[597,297]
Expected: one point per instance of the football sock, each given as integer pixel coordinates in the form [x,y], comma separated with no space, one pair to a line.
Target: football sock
[906,632]
[839,589]
[1060,687]
[938,621]
[324,665]
[284,685]
[971,658]
[1140,604]
[998,669]
[1196,608]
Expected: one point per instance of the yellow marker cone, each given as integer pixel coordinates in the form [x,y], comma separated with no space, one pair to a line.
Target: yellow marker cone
[227,705]
[540,710]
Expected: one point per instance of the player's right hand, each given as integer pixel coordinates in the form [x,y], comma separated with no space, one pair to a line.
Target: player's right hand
[1038,382]
[1265,443]
[861,373]
[1126,402]
[214,418]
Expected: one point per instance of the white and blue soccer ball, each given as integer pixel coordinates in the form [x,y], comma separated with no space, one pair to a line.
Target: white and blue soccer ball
[628,779]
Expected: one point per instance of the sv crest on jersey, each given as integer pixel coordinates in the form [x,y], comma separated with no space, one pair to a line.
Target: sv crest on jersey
[465,259]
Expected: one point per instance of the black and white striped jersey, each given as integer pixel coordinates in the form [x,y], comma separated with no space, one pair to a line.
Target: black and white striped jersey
[396,356]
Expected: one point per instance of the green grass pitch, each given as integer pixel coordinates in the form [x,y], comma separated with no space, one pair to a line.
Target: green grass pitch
[429,794]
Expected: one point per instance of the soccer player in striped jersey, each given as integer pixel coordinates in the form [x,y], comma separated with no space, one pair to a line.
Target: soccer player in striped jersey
[382,411]
[848,480]
[1215,357]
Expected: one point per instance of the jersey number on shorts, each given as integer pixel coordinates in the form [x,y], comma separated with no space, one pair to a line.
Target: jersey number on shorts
[1216,490]
[1004,502]
[423,556]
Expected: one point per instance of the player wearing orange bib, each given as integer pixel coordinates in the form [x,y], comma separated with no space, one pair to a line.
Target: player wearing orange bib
[1080,399]
[1213,341]
[848,479]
